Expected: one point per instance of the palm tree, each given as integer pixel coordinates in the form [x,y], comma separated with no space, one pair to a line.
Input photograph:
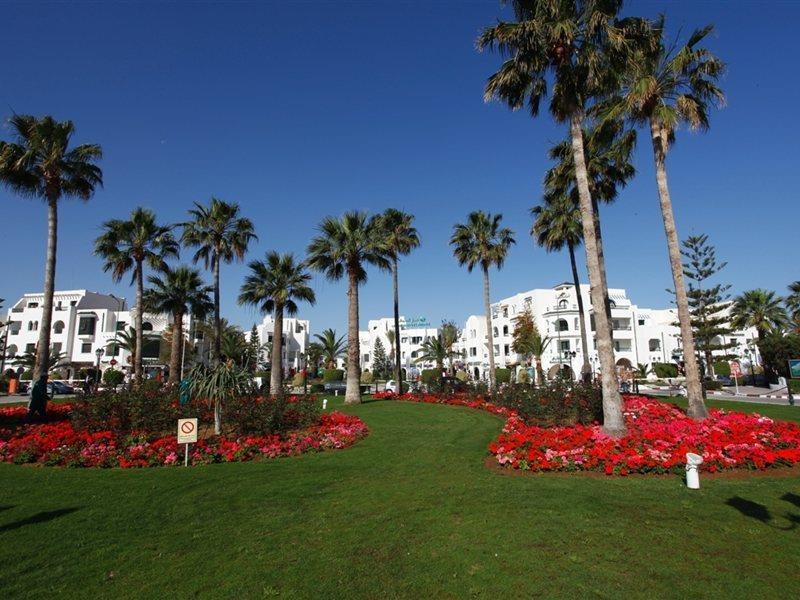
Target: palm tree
[481,241]
[178,291]
[275,285]
[126,246]
[762,310]
[434,350]
[233,346]
[578,43]
[220,235]
[528,341]
[40,164]
[126,339]
[314,353]
[663,86]
[556,225]
[450,335]
[793,303]
[332,347]
[401,238]
[343,248]
[759,309]
[28,361]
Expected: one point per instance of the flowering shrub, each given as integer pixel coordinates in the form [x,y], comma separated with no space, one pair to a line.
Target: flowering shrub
[659,436]
[59,443]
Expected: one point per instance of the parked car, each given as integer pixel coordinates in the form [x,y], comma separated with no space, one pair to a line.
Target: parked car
[725,380]
[55,388]
[391,386]
[335,386]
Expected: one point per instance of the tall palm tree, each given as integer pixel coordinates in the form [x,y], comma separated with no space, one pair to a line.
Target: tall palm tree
[578,43]
[39,163]
[344,247]
[332,347]
[401,238]
[663,86]
[179,291]
[482,241]
[434,350]
[275,285]
[220,234]
[793,304]
[558,225]
[126,246]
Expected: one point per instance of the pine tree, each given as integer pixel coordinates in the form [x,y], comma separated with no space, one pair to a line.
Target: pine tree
[253,349]
[708,303]
[381,366]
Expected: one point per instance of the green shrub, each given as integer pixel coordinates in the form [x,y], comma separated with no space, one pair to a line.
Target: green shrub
[366,377]
[317,388]
[331,375]
[430,377]
[710,384]
[249,415]
[555,403]
[27,375]
[665,370]
[113,377]
[723,368]
[794,385]
[261,374]
[140,410]
[502,375]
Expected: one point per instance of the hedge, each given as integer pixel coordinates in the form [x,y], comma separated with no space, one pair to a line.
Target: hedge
[430,376]
[332,375]
[502,375]
[723,368]
[665,370]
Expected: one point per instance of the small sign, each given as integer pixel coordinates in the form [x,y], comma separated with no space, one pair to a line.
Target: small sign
[794,368]
[736,369]
[113,362]
[187,431]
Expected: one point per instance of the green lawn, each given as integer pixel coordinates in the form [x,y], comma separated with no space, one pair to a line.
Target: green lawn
[408,512]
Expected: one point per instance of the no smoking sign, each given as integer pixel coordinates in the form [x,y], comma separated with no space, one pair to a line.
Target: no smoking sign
[187,431]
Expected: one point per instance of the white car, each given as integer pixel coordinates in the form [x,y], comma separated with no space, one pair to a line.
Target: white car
[391,386]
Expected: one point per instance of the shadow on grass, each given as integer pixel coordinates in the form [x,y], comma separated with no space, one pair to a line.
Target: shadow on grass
[793,498]
[759,512]
[40,517]
[5,507]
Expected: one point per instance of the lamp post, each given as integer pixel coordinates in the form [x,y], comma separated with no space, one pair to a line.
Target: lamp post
[752,361]
[569,355]
[99,354]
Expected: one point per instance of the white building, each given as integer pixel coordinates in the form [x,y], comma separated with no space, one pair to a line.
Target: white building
[413,333]
[83,322]
[640,335]
[296,334]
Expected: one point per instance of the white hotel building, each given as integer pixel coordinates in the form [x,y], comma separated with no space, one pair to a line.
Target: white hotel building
[296,334]
[640,335]
[413,333]
[83,322]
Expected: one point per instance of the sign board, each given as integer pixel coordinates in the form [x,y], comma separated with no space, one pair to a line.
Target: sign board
[736,369]
[415,323]
[794,368]
[187,431]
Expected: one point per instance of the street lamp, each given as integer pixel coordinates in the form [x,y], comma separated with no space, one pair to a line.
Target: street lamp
[569,355]
[752,361]
[99,353]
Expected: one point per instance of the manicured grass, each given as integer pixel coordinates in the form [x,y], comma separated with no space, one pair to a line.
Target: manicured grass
[411,511]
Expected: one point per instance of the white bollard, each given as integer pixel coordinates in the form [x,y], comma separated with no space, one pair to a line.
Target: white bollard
[324,403]
[693,461]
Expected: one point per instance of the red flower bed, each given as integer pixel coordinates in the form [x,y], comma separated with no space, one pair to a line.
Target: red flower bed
[659,436]
[58,443]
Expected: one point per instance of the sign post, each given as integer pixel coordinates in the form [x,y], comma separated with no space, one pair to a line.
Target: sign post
[794,373]
[736,371]
[187,434]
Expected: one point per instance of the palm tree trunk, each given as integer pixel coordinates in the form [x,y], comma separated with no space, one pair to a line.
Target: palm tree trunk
[398,371]
[489,333]
[276,371]
[613,422]
[694,391]
[586,369]
[175,351]
[137,351]
[217,323]
[43,349]
[353,392]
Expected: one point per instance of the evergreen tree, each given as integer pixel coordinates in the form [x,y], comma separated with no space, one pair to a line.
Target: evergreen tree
[708,303]
[254,349]
[381,366]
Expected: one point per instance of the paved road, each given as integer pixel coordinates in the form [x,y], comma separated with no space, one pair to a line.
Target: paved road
[726,396]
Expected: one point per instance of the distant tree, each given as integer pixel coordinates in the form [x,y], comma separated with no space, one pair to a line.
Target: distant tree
[28,360]
[381,367]
[762,310]
[528,341]
[314,353]
[777,350]
[707,303]
[450,333]
[254,350]
[433,350]
[793,305]
[332,347]
[39,163]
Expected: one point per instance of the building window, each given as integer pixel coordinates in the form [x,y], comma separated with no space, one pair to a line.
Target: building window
[612,304]
[417,339]
[505,329]
[147,326]
[365,358]
[73,303]
[473,352]
[58,327]
[496,349]
[562,304]
[33,305]
[641,321]
[564,345]
[30,348]
[494,330]
[505,312]
[403,340]
[506,350]
[562,325]
[655,345]
[121,325]
[56,348]
[86,347]
[86,325]
[11,351]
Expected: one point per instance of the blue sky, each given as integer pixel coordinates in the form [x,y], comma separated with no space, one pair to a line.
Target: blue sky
[297,110]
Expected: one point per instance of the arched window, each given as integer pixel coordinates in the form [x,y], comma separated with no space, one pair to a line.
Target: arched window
[496,334]
[655,345]
[562,304]
[562,325]
[505,329]
[147,326]
[58,326]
